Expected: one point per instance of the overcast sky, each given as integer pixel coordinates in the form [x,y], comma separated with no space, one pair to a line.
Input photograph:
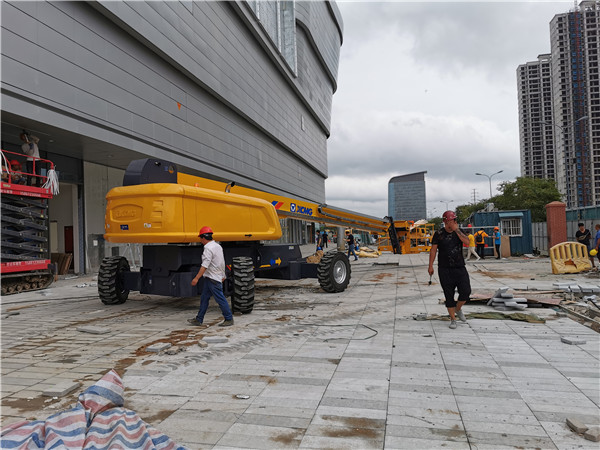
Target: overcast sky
[430,86]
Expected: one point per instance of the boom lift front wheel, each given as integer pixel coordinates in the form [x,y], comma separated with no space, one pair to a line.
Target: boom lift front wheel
[242,298]
[110,280]
[333,272]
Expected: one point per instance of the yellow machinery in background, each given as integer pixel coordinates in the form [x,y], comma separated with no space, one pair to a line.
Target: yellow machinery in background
[412,237]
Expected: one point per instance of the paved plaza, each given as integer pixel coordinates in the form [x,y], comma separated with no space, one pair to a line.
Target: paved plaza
[307,369]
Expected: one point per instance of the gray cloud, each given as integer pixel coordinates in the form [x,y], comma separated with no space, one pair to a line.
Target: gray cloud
[430,86]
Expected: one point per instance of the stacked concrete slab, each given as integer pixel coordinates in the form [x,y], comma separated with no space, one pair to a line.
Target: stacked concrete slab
[504,301]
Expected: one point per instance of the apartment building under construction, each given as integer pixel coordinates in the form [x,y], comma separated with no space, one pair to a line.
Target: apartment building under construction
[559,107]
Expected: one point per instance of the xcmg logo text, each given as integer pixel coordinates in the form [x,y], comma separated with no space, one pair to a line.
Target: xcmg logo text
[300,209]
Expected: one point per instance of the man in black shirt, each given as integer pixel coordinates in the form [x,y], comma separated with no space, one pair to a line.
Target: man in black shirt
[451,266]
[583,236]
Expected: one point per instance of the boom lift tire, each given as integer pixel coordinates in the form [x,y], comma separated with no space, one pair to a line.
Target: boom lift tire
[242,299]
[334,271]
[110,281]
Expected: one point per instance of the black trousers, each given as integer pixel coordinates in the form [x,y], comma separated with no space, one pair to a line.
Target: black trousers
[480,250]
[452,279]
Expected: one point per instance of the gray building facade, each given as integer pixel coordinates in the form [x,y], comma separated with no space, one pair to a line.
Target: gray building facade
[406,197]
[227,90]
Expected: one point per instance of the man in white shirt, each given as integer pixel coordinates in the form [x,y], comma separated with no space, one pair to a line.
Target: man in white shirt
[213,271]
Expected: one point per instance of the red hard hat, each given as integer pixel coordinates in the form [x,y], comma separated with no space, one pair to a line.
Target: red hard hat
[14,162]
[448,215]
[205,230]
[469,226]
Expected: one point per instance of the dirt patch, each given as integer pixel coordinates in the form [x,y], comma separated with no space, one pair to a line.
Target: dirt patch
[284,318]
[29,405]
[380,276]
[504,274]
[16,308]
[264,337]
[334,361]
[368,433]
[288,438]
[159,416]
[401,282]
[356,422]
[123,364]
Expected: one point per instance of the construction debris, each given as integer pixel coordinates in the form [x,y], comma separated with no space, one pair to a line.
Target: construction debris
[366,252]
[503,301]
[315,258]
[576,425]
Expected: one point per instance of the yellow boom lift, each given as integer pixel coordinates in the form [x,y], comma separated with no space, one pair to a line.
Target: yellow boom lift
[163,208]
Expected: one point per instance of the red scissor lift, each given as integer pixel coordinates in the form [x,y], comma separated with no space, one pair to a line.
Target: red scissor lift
[24,243]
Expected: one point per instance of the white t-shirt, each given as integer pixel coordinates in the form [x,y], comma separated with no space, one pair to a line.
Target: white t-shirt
[214,261]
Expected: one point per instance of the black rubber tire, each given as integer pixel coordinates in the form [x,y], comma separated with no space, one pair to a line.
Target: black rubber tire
[110,281]
[242,298]
[334,272]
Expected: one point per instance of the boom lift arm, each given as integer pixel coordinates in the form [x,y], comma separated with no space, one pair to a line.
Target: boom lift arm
[158,205]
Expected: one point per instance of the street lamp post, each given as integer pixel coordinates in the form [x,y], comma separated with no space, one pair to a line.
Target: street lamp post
[489,178]
[446,202]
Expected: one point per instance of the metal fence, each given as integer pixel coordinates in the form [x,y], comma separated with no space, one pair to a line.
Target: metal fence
[539,233]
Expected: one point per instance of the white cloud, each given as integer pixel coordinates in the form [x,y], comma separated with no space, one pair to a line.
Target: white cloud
[430,87]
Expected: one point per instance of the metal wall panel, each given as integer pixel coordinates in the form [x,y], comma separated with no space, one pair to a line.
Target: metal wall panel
[198,89]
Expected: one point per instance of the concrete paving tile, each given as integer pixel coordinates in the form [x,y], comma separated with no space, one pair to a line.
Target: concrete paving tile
[504,428]
[237,407]
[488,393]
[427,422]
[348,428]
[274,420]
[314,442]
[492,407]
[510,440]
[455,434]
[354,421]
[286,439]
[292,403]
[271,432]
[444,402]
[354,403]
[428,413]
[372,414]
[402,442]
[425,389]
[564,438]
[316,393]
[357,395]
[281,411]
[400,396]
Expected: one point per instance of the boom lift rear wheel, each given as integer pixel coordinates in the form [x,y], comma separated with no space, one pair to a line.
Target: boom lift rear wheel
[110,281]
[333,272]
[242,299]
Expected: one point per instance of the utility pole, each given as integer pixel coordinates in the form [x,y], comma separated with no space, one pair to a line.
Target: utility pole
[474,196]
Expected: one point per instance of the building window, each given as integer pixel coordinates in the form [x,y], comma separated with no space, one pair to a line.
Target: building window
[512,227]
[278,18]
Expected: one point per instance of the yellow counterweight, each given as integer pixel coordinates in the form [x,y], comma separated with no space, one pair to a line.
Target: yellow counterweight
[173,213]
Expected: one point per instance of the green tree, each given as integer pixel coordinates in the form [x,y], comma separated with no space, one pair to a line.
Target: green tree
[464,211]
[523,193]
[527,193]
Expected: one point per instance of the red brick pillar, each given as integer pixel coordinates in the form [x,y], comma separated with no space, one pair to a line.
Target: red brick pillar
[556,220]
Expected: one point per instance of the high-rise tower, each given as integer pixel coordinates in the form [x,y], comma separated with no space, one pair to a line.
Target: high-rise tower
[569,138]
[535,109]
